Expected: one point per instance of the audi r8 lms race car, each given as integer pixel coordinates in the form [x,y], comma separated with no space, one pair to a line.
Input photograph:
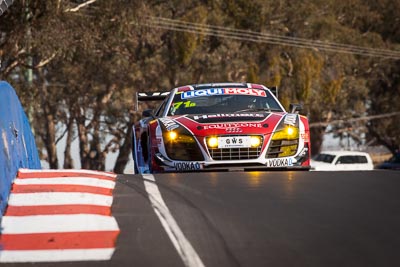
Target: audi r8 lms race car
[220,126]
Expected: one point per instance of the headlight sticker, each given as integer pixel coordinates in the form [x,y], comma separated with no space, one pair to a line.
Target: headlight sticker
[170,124]
[291,119]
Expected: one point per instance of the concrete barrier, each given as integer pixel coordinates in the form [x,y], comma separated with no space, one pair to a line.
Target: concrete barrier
[17,143]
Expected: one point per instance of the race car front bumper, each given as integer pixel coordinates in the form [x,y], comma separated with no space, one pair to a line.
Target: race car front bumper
[276,164]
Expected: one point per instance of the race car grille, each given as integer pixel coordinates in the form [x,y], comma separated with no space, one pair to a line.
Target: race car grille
[234,153]
[282,148]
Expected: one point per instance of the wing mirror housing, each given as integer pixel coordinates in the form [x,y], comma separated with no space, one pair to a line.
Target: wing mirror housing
[295,108]
[148,113]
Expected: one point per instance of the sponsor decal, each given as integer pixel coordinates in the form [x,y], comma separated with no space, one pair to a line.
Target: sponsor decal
[233,130]
[234,142]
[228,115]
[291,119]
[232,127]
[170,124]
[186,104]
[187,166]
[223,91]
[305,136]
[283,162]
[245,91]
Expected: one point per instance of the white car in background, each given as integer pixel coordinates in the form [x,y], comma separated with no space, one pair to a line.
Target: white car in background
[342,161]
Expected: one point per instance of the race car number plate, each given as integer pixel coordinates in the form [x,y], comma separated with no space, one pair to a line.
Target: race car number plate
[234,142]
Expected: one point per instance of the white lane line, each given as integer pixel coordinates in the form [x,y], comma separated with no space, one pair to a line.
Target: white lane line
[55,255]
[57,223]
[189,256]
[69,181]
[59,198]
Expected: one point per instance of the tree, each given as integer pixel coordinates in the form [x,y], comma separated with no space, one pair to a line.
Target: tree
[76,65]
[384,99]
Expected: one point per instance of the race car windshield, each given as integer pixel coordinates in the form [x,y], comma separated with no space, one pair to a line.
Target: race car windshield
[205,102]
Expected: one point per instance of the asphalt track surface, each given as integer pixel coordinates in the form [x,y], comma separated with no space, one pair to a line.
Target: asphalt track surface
[257,219]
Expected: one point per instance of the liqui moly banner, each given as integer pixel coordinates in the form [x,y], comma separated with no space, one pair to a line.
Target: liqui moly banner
[224,91]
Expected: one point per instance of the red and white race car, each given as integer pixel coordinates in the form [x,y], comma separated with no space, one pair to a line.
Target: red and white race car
[220,126]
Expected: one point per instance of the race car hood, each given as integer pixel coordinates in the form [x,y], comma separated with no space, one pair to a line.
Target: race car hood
[239,123]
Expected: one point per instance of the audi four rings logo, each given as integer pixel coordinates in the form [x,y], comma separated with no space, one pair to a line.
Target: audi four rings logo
[233,130]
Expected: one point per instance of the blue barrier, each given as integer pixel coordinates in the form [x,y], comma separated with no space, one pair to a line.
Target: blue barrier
[17,143]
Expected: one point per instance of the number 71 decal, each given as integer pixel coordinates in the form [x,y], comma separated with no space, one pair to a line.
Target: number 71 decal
[186,104]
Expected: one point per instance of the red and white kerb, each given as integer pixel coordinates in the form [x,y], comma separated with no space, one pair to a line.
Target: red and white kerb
[59,215]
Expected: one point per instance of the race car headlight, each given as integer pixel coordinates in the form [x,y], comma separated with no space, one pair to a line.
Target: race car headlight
[255,141]
[284,142]
[172,136]
[287,133]
[181,145]
[212,142]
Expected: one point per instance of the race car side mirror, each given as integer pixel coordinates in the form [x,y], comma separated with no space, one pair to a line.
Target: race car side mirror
[295,108]
[148,113]
[274,90]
